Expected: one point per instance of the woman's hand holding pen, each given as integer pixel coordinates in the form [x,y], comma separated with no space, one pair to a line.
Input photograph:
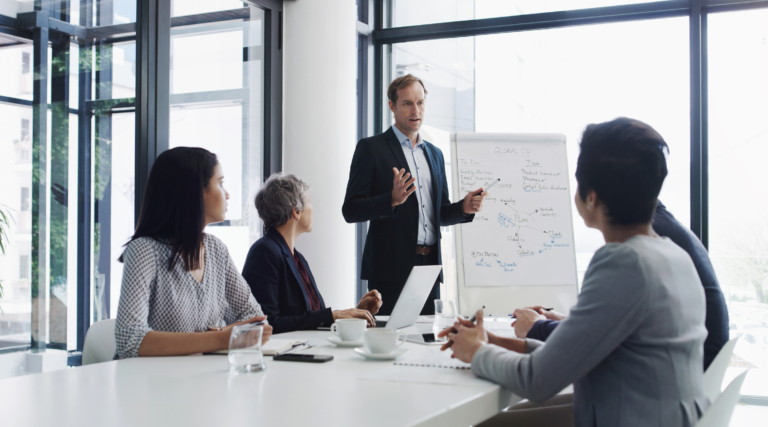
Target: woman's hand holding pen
[524,319]
[466,337]
[547,312]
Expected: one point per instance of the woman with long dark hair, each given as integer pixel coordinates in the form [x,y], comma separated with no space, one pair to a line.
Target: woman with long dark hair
[180,284]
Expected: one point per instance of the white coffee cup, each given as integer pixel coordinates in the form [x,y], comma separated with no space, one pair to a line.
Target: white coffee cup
[349,329]
[384,341]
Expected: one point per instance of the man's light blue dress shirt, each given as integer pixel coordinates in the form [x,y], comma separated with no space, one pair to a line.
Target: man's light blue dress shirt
[417,163]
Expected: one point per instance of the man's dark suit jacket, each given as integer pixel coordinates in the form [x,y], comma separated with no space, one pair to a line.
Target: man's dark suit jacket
[275,282]
[716,322]
[390,248]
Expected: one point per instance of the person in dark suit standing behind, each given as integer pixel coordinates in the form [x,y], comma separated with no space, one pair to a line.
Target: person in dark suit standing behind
[386,170]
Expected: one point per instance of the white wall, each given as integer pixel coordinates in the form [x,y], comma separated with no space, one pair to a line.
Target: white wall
[319,132]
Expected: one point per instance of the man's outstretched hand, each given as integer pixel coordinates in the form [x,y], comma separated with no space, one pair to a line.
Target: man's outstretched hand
[400,184]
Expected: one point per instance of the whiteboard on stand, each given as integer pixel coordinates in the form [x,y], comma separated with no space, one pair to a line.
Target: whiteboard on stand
[519,250]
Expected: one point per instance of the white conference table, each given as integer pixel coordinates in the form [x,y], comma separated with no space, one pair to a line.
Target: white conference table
[198,390]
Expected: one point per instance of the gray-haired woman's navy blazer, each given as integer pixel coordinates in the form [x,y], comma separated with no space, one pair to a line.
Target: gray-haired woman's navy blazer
[274,279]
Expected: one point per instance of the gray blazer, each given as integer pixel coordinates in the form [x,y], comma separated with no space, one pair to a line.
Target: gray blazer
[632,346]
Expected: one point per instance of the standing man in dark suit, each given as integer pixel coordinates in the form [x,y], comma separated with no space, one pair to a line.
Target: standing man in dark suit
[386,170]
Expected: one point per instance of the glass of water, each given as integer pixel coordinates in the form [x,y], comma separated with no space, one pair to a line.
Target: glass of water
[245,348]
[445,313]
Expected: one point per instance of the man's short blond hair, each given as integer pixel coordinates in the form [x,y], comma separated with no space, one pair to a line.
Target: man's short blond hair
[402,82]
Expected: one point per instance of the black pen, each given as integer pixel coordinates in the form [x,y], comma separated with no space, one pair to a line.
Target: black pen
[474,316]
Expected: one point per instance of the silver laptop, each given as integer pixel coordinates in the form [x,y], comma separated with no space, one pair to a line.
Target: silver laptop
[412,298]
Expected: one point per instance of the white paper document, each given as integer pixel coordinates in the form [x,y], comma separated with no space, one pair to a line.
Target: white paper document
[437,368]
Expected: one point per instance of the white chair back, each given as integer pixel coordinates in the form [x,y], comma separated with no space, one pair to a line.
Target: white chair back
[719,414]
[99,342]
[713,377]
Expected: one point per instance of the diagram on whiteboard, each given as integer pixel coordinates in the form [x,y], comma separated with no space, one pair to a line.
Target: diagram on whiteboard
[524,234]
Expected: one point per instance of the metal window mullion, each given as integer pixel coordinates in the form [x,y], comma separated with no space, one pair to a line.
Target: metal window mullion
[378,69]
[698,131]
[40,207]
[273,83]
[153,34]
[245,113]
[361,228]
[103,149]
[84,176]
[59,169]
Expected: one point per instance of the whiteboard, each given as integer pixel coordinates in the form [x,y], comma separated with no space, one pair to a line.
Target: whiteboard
[519,250]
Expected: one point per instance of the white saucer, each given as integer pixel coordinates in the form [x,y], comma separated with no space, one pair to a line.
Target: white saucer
[339,343]
[381,356]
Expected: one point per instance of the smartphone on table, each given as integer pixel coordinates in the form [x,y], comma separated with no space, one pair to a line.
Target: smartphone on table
[309,358]
[426,339]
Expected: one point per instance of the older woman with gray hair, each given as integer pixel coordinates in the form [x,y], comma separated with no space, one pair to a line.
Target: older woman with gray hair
[279,276]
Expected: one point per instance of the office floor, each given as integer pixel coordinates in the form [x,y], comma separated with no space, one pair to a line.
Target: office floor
[749,415]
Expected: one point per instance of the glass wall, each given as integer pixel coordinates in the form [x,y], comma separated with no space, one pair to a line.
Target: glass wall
[217,100]
[542,82]
[738,198]
[112,63]
[68,147]
[45,144]
[16,202]
[39,285]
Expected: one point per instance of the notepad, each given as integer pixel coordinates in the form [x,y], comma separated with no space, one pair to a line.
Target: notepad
[413,374]
[440,360]
[272,347]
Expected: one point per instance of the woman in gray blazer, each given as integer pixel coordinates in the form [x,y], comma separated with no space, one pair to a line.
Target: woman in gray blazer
[632,345]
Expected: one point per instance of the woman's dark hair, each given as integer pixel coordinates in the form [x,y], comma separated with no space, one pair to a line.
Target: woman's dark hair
[173,209]
[624,162]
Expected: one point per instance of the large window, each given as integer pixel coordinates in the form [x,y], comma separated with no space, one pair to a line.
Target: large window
[15,200]
[738,146]
[542,81]
[216,103]
[57,107]
[72,164]
[697,72]
[112,132]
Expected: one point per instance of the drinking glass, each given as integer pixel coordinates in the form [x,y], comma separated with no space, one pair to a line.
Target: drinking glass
[245,348]
[445,313]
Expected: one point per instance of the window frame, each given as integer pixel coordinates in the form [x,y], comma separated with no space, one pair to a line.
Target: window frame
[47,26]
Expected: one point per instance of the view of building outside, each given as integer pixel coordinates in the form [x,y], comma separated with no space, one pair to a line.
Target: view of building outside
[58,291]
[738,198]
[16,194]
[16,201]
